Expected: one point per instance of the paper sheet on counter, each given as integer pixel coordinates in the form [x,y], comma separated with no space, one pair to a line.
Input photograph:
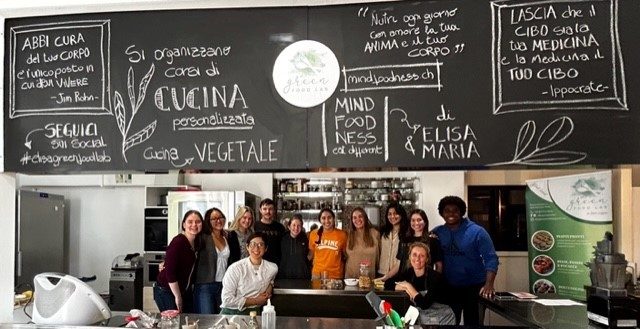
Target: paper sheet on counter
[558,302]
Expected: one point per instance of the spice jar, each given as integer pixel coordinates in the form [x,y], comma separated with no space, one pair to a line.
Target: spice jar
[364,281]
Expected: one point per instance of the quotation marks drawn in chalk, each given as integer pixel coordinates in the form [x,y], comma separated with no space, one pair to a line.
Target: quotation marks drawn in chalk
[362,12]
[124,119]
[553,134]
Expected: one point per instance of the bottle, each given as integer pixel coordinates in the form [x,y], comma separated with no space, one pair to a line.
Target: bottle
[268,316]
[253,322]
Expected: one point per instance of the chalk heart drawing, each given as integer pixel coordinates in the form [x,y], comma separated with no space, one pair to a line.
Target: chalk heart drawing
[306,73]
[541,154]
[124,118]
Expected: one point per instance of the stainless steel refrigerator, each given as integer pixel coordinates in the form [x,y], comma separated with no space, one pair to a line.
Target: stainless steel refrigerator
[40,227]
[227,201]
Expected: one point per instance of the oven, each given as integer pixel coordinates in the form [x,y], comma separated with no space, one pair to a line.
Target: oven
[155,242]
[151,267]
[155,229]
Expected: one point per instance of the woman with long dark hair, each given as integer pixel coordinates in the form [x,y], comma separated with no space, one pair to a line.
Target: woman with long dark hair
[327,247]
[395,226]
[172,288]
[418,231]
[217,254]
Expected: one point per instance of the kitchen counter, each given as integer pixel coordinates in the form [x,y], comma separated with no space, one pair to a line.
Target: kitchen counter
[217,322]
[534,315]
[306,298]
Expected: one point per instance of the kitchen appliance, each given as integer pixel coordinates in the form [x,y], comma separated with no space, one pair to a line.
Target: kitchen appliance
[40,227]
[227,201]
[608,303]
[61,299]
[125,283]
[155,228]
[151,267]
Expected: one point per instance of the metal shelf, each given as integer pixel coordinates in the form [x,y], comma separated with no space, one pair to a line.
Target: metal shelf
[309,194]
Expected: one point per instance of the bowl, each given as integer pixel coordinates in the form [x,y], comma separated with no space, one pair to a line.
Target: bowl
[351,282]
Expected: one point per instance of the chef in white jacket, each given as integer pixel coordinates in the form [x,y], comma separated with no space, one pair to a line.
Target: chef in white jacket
[248,283]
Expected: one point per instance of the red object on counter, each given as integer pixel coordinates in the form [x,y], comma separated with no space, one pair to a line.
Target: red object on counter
[130,318]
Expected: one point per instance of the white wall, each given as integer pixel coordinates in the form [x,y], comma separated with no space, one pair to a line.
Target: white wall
[102,223]
[435,186]
[7,244]
[258,184]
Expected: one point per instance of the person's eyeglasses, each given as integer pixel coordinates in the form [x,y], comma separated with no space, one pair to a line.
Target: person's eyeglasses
[213,219]
[256,245]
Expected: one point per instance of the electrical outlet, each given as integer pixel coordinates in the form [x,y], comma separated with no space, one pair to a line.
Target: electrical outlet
[123,178]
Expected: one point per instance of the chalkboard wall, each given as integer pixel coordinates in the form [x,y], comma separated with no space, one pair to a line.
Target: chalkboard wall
[444,84]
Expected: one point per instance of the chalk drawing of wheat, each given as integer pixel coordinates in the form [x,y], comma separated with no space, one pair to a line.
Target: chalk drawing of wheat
[124,118]
[542,155]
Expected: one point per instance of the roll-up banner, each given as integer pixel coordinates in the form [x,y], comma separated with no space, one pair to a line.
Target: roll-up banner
[566,216]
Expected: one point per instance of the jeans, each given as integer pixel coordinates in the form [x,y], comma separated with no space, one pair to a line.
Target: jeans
[166,301]
[207,298]
[164,298]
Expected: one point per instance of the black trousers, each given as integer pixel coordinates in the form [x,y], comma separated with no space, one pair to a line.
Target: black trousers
[464,300]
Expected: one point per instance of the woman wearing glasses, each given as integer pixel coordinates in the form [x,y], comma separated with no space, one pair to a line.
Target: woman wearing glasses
[219,251]
[248,283]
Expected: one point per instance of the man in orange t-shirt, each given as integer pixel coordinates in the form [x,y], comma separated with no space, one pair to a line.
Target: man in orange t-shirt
[327,247]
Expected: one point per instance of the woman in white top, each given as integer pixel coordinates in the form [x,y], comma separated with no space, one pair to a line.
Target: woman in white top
[248,283]
[217,254]
[241,228]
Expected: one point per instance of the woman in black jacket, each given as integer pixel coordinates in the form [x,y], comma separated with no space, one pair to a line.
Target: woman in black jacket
[424,287]
[295,248]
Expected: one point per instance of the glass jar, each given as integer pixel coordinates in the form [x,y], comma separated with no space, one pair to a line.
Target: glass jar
[364,281]
[170,319]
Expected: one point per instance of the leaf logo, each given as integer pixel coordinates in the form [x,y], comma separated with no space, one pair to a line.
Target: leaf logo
[307,62]
[542,155]
[588,187]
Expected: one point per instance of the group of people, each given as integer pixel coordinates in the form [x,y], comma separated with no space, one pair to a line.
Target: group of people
[209,269]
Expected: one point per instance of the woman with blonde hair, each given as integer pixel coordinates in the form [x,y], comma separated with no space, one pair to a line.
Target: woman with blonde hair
[362,244]
[241,228]
[424,287]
